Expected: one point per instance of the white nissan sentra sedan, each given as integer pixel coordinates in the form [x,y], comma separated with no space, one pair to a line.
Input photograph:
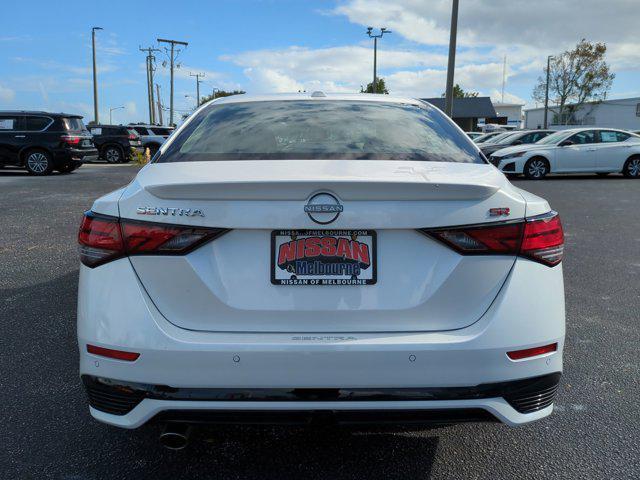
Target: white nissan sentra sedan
[352,258]
[577,150]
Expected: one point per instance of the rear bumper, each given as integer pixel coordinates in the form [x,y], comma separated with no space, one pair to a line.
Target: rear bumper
[75,155]
[529,311]
[136,403]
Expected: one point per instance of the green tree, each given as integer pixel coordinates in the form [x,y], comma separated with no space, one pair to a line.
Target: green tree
[381,87]
[220,94]
[575,77]
[458,92]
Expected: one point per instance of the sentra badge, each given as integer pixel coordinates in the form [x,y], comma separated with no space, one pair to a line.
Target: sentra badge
[174,211]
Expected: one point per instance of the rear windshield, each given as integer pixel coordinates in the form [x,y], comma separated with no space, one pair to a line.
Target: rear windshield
[74,124]
[324,129]
[161,131]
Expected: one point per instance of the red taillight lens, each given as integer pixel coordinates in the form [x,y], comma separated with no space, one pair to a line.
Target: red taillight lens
[133,136]
[538,238]
[70,139]
[532,352]
[543,240]
[103,239]
[100,240]
[110,353]
[501,239]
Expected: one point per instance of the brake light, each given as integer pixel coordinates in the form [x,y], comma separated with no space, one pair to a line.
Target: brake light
[110,353]
[103,238]
[543,239]
[537,238]
[70,139]
[133,136]
[532,352]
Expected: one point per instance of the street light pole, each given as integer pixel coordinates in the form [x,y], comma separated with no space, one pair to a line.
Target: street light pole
[448,101]
[173,43]
[95,77]
[546,94]
[375,54]
[111,110]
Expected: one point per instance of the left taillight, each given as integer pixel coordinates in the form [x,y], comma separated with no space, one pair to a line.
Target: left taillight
[100,240]
[103,238]
[70,139]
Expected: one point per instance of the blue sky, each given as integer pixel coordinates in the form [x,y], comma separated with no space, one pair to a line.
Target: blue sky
[277,45]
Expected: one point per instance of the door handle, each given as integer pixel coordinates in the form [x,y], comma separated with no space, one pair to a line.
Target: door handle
[591,149]
[20,136]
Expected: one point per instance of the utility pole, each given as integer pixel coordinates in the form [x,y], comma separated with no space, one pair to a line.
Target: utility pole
[172,58]
[95,77]
[150,60]
[198,82]
[375,53]
[159,105]
[448,101]
[546,93]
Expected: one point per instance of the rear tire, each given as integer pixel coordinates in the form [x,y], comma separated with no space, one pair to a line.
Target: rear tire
[38,162]
[113,154]
[536,168]
[631,168]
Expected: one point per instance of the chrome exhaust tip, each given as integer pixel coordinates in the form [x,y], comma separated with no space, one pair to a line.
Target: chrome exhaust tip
[175,436]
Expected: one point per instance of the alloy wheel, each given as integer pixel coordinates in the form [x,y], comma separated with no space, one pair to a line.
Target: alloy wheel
[634,167]
[112,155]
[537,169]
[38,162]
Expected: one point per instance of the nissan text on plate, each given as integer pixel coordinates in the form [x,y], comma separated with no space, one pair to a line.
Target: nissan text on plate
[346,257]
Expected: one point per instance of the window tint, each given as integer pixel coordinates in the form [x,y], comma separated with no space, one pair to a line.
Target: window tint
[141,130]
[608,136]
[161,131]
[8,123]
[539,136]
[581,138]
[35,124]
[74,124]
[306,130]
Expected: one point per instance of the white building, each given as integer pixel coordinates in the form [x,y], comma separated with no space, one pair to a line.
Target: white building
[623,113]
[513,112]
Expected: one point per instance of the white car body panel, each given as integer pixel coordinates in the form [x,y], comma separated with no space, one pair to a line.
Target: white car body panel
[212,319]
[595,157]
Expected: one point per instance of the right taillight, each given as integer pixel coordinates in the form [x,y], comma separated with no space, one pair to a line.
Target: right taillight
[104,238]
[538,238]
[543,239]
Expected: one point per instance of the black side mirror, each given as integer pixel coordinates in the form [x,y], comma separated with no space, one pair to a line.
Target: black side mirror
[517,142]
[566,143]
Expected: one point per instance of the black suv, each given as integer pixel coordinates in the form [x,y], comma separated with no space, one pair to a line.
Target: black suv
[116,143]
[42,141]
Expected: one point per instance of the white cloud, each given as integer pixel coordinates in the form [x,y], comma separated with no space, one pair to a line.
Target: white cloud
[6,94]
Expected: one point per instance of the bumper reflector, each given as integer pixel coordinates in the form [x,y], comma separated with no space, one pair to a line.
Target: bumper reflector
[109,353]
[532,352]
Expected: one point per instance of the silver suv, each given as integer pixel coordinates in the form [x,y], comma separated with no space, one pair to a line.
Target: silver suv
[152,136]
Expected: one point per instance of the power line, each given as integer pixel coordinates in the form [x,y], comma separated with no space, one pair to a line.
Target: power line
[172,57]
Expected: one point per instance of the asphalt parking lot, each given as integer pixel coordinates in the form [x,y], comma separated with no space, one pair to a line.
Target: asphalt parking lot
[48,433]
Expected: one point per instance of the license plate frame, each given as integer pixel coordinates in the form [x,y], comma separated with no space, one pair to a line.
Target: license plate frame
[352,261]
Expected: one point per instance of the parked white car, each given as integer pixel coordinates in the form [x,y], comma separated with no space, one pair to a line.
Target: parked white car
[152,136]
[346,257]
[578,150]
